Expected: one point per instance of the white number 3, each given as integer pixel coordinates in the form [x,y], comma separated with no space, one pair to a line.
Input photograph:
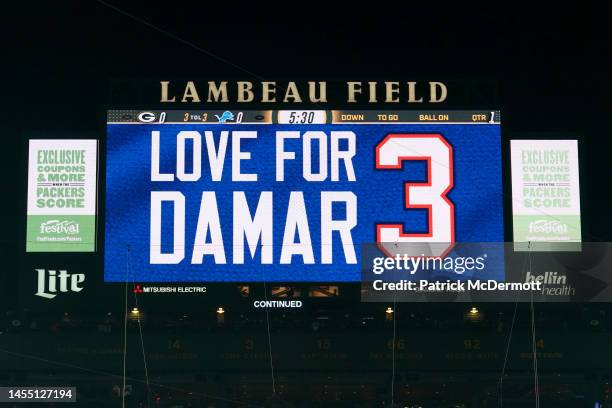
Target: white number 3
[431,194]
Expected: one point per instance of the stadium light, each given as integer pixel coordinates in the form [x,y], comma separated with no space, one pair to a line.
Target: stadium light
[389,314]
[220,316]
[474,315]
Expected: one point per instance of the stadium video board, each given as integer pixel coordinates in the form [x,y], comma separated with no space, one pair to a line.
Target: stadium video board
[292,195]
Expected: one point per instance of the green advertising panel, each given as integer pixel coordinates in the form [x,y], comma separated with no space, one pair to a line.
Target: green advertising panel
[62,196]
[545,194]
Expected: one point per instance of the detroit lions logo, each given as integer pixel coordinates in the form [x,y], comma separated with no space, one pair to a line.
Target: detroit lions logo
[227,115]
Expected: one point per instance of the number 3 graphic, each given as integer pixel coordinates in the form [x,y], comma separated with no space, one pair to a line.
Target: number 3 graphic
[431,194]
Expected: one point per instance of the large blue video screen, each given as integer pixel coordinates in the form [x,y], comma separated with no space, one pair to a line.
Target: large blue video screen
[294,203]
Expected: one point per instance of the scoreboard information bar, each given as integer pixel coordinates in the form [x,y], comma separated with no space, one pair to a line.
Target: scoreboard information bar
[302,117]
[346,116]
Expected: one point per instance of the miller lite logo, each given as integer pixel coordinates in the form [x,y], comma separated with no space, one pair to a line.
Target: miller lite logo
[51,282]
